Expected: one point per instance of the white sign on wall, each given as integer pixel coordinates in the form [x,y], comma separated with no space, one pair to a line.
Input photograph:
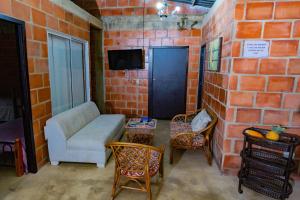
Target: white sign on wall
[256,49]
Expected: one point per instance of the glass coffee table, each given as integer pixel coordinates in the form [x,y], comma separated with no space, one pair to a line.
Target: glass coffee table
[140,132]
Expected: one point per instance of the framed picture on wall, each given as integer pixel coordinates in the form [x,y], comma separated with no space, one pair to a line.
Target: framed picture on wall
[214,54]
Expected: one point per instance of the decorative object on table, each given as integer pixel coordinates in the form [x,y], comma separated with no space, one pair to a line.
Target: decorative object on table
[274,134]
[214,54]
[140,130]
[266,164]
[136,163]
[183,137]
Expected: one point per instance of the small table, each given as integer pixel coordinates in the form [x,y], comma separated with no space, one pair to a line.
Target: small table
[140,132]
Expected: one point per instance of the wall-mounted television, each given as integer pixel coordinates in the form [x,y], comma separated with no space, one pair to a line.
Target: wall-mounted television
[125,59]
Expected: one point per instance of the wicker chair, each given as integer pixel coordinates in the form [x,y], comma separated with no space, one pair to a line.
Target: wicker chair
[182,136]
[136,162]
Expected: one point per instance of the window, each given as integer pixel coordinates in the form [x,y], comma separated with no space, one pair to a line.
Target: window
[68,74]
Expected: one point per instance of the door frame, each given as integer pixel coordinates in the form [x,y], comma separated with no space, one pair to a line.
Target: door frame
[27,118]
[201,76]
[150,75]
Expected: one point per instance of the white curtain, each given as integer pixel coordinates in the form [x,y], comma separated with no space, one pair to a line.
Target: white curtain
[67,83]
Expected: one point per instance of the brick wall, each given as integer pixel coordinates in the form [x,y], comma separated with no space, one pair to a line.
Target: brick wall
[131,7]
[39,16]
[217,84]
[261,92]
[127,91]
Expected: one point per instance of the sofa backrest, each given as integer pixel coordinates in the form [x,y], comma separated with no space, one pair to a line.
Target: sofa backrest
[71,121]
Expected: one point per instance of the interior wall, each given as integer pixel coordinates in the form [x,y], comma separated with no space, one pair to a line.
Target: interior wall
[125,27]
[259,92]
[40,16]
[217,84]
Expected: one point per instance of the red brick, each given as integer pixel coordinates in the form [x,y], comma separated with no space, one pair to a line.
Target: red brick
[248,115]
[33,97]
[236,131]
[277,30]
[59,12]
[239,11]
[5,7]
[294,66]
[52,22]
[297,29]
[135,3]
[39,33]
[271,100]
[272,66]
[111,3]
[259,10]
[233,82]
[241,99]
[231,161]
[108,42]
[41,65]
[196,32]
[296,119]
[69,17]
[236,49]
[38,17]
[44,94]
[284,48]
[238,146]
[20,10]
[245,66]
[287,10]
[35,81]
[63,27]
[253,83]
[298,86]
[123,3]
[280,84]
[249,30]
[292,101]
[128,11]
[274,117]
[47,6]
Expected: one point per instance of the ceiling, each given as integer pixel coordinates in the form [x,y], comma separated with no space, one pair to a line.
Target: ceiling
[204,3]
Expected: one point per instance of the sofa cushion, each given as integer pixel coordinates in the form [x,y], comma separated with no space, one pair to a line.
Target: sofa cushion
[96,134]
[75,119]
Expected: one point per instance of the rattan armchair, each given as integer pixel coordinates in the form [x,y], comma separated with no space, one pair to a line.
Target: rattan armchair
[136,162]
[182,136]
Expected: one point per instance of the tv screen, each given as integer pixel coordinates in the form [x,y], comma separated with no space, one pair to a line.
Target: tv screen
[125,59]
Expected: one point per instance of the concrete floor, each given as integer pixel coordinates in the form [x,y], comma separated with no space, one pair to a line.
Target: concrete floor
[189,178]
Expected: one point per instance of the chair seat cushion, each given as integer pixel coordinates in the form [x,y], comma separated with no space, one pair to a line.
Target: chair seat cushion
[181,127]
[131,162]
[96,134]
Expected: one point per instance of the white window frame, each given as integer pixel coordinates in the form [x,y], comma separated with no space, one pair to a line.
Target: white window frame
[86,57]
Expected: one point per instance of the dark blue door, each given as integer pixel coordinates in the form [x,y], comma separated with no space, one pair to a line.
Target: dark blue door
[169,82]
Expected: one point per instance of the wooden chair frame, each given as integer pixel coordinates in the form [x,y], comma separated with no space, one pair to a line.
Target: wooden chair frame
[184,140]
[141,167]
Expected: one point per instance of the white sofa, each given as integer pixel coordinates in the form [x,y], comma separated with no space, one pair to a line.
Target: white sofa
[80,135]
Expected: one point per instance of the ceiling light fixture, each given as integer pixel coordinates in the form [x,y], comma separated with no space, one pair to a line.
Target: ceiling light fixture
[162,9]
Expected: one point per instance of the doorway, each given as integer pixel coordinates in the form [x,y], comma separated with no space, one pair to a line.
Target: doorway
[201,76]
[167,81]
[15,105]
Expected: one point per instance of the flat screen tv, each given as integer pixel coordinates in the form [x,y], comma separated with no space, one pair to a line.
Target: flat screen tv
[125,59]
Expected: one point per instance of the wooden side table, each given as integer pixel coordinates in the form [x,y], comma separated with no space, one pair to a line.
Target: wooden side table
[140,132]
